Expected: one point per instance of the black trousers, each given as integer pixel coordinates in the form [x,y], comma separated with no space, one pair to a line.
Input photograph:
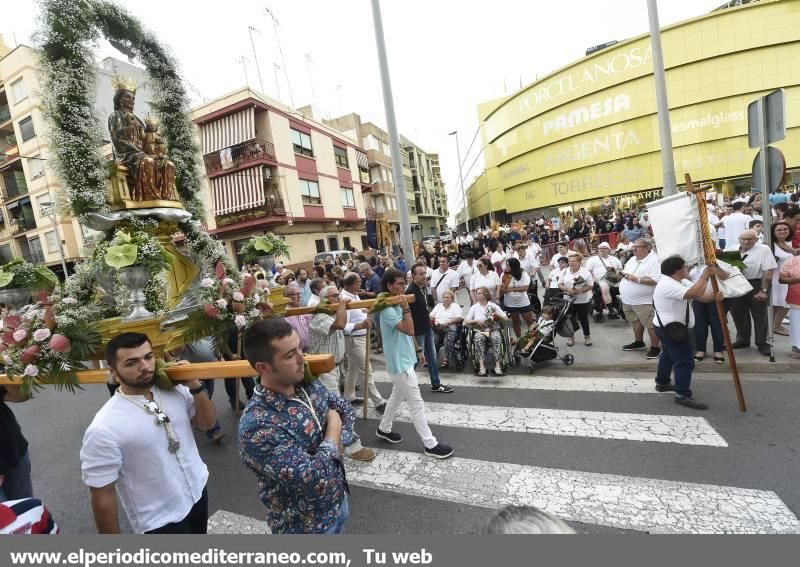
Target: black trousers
[230,388]
[580,313]
[195,522]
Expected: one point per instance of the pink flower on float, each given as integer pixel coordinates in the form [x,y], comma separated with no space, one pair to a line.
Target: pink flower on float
[60,343]
[31,370]
[221,303]
[220,271]
[41,335]
[206,282]
[255,313]
[240,321]
[30,354]
[20,334]
[12,321]
[249,285]
[211,311]
[8,338]
[238,296]
[3,347]
[238,307]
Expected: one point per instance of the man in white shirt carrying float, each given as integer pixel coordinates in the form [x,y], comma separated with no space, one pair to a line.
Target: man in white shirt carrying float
[140,445]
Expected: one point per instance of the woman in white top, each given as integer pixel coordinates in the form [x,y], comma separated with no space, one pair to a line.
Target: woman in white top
[514,288]
[485,277]
[782,248]
[485,316]
[445,318]
[499,257]
[555,275]
[577,281]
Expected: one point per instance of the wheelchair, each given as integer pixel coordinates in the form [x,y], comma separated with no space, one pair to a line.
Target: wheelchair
[471,352]
[599,306]
[460,351]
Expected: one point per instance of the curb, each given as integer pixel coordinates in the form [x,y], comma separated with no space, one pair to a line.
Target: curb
[649,366]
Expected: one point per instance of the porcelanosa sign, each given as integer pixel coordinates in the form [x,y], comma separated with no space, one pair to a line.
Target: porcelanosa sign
[588,113]
[586,76]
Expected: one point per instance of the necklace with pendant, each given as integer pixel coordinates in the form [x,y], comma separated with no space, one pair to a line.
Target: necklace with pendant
[152,408]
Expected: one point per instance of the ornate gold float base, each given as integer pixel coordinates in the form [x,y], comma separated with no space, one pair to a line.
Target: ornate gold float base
[162,340]
[119,196]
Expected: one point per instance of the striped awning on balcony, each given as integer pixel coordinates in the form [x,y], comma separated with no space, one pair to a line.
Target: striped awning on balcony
[238,191]
[229,130]
[362,160]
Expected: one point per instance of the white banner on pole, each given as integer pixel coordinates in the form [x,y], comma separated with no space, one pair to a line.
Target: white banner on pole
[676,227]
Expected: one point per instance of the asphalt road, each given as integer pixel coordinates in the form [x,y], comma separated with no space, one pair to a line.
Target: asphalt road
[761,454]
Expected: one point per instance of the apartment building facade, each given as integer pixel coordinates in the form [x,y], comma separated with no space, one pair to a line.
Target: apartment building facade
[430,197]
[30,224]
[380,195]
[271,168]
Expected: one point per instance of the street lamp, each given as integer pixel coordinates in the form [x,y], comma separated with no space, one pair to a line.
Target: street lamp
[48,210]
[461,177]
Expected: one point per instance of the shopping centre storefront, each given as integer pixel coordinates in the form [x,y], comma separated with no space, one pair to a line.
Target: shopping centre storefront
[589,131]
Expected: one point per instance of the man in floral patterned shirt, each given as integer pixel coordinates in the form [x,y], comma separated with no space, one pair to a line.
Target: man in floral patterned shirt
[290,436]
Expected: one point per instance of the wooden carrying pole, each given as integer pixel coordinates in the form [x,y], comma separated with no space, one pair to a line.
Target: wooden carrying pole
[366,373]
[319,363]
[363,304]
[711,259]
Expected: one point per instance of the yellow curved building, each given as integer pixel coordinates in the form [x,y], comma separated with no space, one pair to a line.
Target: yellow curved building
[590,130]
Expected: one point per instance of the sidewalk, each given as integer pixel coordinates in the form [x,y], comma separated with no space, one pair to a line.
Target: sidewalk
[606,354]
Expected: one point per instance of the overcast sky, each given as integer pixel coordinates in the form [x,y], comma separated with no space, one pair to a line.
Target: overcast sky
[445,56]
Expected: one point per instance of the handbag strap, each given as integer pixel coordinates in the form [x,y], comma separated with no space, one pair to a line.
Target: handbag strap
[661,324]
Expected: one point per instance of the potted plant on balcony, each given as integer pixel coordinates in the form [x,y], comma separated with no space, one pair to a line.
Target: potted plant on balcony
[264,249]
[18,278]
[138,257]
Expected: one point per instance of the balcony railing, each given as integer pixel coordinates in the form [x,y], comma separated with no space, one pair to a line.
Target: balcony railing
[273,207]
[5,113]
[33,256]
[14,188]
[9,154]
[375,214]
[20,225]
[245,152]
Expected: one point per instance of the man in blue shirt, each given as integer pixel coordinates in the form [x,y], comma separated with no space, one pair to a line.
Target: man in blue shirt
[400,263]
[290,434]
[397,329]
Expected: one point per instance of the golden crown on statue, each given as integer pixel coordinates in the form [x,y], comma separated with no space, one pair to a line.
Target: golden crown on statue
[121,83]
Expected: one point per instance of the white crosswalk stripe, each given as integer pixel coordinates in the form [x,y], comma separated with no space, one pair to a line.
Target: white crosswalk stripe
[643,504]
[686,430]
[554,383]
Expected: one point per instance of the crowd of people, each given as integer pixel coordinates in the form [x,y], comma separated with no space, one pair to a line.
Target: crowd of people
[477,292]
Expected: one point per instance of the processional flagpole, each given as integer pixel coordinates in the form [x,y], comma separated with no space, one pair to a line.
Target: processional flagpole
[709,252]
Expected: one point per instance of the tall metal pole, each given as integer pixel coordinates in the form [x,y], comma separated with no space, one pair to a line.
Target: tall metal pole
[255,57]
[664,129]
[394,137]
[275,68]
[766,213]
[461,177]
[242,60]
[280,49]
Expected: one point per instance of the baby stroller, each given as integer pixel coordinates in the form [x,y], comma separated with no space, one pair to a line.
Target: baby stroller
[545,348]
